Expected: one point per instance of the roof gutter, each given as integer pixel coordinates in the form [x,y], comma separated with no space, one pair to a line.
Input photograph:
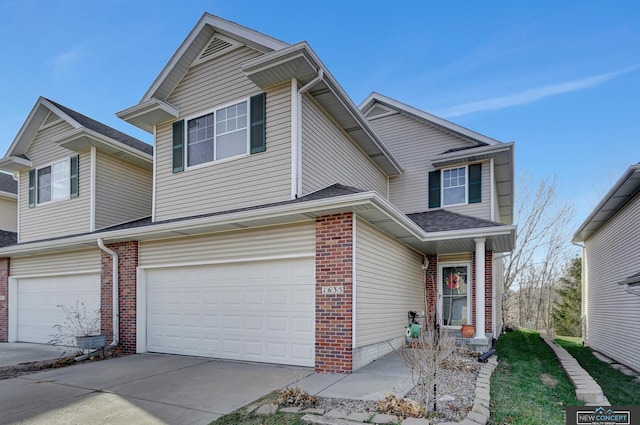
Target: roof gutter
[115,309]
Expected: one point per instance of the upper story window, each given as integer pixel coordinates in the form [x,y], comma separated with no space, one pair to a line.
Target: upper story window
[455,186]
[54,182]
[227,132]
[229,139]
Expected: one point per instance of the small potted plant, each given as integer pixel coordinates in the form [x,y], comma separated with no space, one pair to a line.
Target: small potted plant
[80,328]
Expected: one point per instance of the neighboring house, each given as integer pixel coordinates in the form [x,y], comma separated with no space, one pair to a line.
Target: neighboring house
[8,209]
[611,272]
[288,225]
[75,176]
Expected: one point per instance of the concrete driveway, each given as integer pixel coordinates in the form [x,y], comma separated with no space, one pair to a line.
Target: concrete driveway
[140,389]
[12,353]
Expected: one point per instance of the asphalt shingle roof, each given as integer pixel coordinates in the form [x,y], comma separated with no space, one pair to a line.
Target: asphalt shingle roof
[443,220]
[8,238]
[8,184]
[106,130]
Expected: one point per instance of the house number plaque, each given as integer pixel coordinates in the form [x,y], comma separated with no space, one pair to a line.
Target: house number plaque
[330,290]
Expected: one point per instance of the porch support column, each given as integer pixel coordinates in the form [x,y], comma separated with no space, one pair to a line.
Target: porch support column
[479,272]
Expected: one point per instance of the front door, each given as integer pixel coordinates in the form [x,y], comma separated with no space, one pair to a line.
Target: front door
[455,295]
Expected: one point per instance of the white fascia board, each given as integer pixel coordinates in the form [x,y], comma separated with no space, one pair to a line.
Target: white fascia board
[306,207]
[577,237]
[14,163]
[377,97]
[8,195]
[478,232]
[150,112]
[99,140]
[462,155]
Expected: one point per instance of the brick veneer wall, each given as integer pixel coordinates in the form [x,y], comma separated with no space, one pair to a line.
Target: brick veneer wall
[334,312]
[127,269]
[4,304]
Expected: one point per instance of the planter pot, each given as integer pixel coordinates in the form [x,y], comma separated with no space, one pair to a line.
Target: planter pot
[91,342]
[467,331]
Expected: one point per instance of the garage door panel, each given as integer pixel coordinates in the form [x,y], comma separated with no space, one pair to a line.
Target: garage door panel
[39,298]
[256,311]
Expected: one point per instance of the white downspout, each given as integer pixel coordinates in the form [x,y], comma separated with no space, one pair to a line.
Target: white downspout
[298,131]
[115,306]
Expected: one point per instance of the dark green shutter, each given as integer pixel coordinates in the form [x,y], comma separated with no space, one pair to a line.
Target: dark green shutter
[178,146]
[74,181]
[434,189]
[258,127]
[32,188]
[475,183]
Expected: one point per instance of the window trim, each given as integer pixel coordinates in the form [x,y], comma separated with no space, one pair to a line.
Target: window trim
[214,110]
[36,186]
[466,186]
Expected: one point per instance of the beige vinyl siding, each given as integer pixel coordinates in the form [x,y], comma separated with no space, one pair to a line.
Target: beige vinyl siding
[479,209]
[612,256]
[59,263]
[329,156]
[8,214]
[414,144]
[56,218]
[123,191]
[246,181]
[247,245]
[389,283]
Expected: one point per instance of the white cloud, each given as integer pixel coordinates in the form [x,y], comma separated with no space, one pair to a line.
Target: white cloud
[532,95]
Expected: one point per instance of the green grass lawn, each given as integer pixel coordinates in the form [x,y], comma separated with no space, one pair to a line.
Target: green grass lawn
[529,387]
[619,388]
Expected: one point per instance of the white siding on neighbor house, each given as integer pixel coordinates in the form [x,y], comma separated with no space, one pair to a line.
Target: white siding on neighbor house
[294,240]
[247,181]
[389,282]
[8,214]
[612,255]
[69,262]
[123,191]
[329,156]
[57,218]
[414,144]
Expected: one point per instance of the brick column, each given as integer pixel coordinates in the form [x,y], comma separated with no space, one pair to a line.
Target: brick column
[4,302]
[431,282]
[127,269]
[488,292]
[334,311]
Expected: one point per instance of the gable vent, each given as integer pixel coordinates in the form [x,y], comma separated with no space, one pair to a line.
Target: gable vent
[217,46]
[377,110]
[50,119]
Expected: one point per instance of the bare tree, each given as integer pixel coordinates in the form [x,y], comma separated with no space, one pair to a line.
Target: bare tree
[542,249]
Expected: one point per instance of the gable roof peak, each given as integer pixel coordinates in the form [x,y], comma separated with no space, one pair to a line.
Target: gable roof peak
[448,126]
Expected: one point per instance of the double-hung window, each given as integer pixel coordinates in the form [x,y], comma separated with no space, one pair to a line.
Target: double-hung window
[455,186]
[54,182]
[227,132]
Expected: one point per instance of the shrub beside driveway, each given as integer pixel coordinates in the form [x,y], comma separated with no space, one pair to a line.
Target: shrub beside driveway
[529,387]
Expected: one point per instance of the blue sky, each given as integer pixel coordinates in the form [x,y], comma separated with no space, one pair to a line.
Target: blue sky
[561,79]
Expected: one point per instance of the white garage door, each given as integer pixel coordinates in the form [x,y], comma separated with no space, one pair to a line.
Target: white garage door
[256,311]
[39,297]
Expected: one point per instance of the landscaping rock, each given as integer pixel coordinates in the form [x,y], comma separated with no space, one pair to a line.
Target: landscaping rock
[267,409]
[336,414]
[358,417]
[294,409]
[602,357]
[416,421]
[446,397]
[477,417]
[314,411]
[323,420]
[384,419]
